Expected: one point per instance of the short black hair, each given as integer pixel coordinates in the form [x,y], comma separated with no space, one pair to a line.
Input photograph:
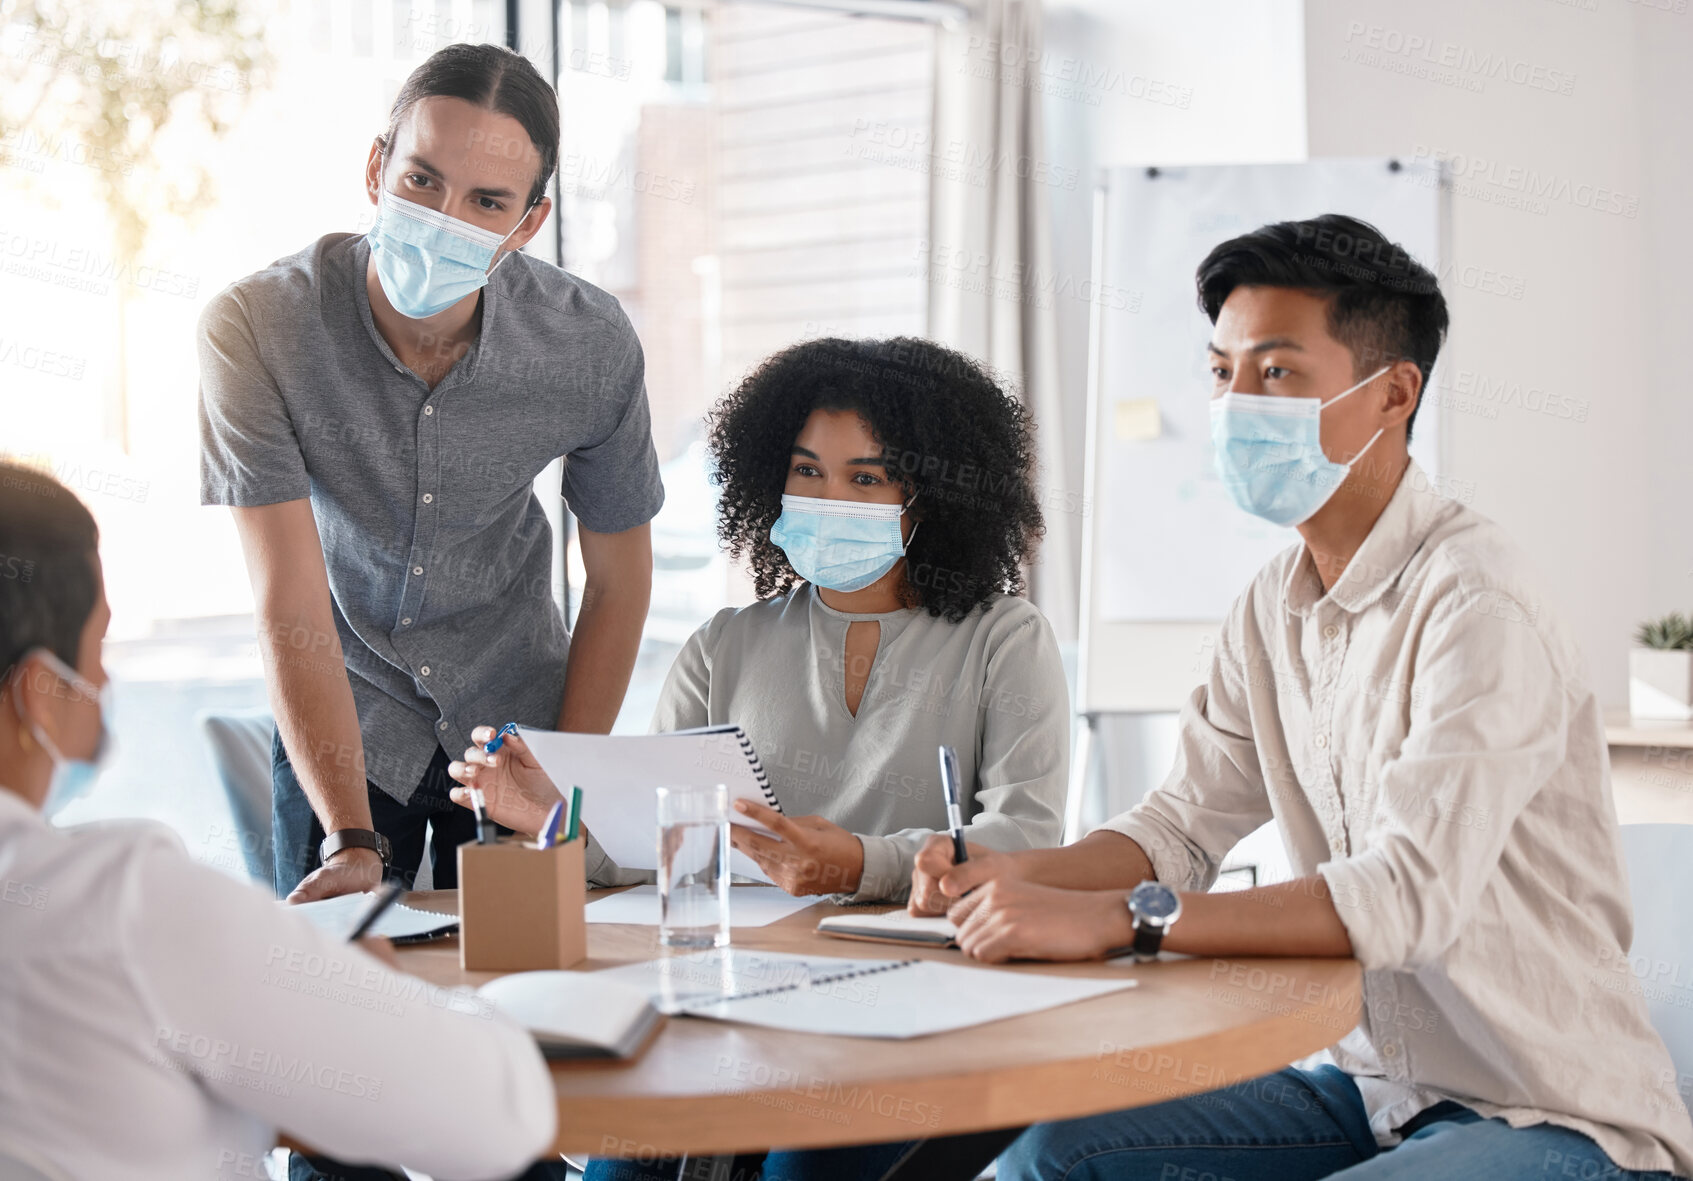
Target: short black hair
[48,577]
[950,435]
[1383,304]
[490,76]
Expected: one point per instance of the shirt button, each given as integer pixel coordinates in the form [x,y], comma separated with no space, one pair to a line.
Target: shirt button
[1330,632]
[424,670]
[1390,1050]
[442,726]
[417,569]
[428,498]
[429,410]
[1322,741]
[406,622]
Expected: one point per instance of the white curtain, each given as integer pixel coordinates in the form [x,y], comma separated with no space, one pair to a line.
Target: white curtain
[990,254]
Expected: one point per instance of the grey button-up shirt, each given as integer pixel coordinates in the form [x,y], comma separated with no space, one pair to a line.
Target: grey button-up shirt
[1425,738]
[438,552]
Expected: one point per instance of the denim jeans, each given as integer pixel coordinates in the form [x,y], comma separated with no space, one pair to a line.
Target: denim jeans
[1296,1125]
[296,832]
[863,1162]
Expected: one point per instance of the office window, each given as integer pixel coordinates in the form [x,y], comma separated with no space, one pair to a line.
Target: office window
[722,175]
[718,176]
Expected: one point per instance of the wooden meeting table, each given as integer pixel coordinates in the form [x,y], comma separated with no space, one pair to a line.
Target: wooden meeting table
[705,1086]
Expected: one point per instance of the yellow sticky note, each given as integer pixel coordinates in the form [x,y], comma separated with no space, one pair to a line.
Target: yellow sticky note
[1138,419]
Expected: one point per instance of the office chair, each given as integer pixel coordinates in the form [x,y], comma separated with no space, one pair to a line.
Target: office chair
[1660,876]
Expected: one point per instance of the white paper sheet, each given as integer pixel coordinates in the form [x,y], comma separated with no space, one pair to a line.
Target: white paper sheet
[619,775]
[749,906]
[852,998]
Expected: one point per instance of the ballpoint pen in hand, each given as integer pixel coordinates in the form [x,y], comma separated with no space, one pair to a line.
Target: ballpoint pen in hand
[954,814]
[484,831]
[499,738]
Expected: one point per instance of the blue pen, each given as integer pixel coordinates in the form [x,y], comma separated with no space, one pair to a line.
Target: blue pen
[499,738]
[549,831]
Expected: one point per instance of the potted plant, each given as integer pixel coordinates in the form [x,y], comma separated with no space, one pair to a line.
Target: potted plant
[1660,669]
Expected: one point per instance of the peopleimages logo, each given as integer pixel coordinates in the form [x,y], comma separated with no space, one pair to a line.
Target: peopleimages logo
[1465,63]
[1532,189]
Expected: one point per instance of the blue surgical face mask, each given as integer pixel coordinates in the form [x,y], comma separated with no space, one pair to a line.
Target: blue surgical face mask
[72,778]
[1269,453]
[839,545]
[427,261]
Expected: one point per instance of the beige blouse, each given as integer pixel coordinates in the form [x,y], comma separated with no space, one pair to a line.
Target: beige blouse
[991,686]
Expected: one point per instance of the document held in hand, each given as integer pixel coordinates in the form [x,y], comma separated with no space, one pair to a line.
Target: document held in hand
[618,775]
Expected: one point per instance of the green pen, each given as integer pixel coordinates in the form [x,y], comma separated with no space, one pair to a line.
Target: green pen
[575,828]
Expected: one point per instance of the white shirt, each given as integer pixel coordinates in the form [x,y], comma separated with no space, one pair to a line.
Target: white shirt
[160,1021]
[1426,740]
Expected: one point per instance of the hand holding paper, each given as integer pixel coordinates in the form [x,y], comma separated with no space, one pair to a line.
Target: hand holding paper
[805,854]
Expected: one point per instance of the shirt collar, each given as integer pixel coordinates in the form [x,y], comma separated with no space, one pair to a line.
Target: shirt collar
[1411,514]
[461,373]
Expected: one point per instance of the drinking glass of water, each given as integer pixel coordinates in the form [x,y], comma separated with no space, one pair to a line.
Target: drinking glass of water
[693,866]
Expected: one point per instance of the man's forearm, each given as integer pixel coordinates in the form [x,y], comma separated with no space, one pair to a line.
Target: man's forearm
[313,703]
[1288,918]
[603,648]
[1099,861]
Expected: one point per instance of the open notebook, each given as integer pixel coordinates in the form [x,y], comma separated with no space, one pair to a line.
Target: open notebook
[850,998]
[896,926]
[575,1014]
[619,772]
[399,923]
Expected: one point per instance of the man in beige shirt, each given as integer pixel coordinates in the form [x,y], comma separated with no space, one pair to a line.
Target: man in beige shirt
[1395,695]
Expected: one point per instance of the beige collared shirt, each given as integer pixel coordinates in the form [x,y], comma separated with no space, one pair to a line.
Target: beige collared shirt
[1426,740]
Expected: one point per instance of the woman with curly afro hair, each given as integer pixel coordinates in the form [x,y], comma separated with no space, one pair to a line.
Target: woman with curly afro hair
[881,492]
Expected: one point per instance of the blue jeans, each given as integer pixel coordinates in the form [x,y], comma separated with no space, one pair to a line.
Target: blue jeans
[1296,1125]
[863,1162]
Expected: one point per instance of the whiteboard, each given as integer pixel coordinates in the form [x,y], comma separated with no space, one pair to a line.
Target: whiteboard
[1165,551]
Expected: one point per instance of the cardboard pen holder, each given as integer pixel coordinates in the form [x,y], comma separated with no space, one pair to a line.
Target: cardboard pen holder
[521,908]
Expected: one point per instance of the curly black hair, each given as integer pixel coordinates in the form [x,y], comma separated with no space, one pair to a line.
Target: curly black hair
[950,435]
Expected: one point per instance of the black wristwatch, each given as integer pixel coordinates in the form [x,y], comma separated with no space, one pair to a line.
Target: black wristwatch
[1153,909]
[355,838]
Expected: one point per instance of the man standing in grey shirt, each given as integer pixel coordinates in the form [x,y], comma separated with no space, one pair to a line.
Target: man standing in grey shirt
[375,409]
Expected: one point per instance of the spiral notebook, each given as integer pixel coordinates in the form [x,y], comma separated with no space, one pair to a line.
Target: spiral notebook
[619,772]
[399,923]
[850,998]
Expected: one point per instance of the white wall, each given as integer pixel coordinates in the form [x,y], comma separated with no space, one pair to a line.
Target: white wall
[1596,305]
[1240,64]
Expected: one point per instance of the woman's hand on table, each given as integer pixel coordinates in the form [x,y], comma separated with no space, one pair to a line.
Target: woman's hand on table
[1007,919]
[813,856]
[516,791]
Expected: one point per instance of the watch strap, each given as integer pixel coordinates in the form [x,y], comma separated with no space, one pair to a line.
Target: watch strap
[1148,938]
[355,838]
